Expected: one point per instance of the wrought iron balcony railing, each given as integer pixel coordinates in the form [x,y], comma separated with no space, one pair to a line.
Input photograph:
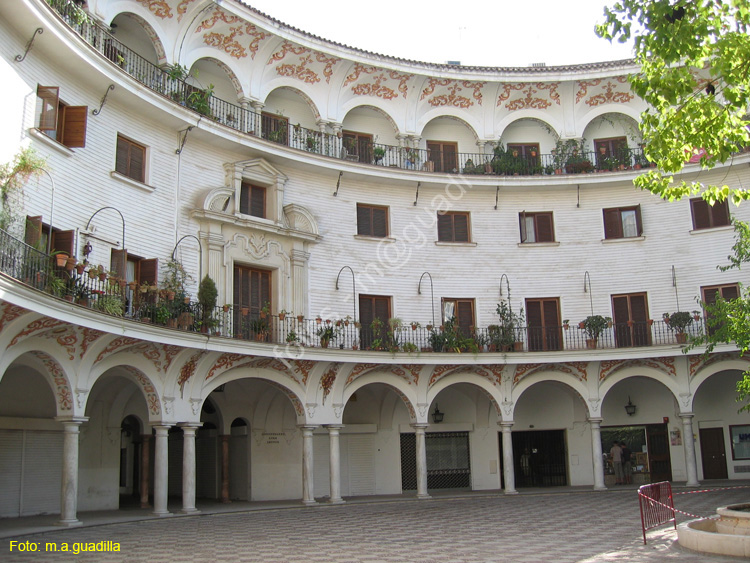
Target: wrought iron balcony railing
[87,286]
[172,83]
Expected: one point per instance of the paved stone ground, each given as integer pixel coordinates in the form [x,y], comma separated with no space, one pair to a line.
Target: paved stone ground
[527,528]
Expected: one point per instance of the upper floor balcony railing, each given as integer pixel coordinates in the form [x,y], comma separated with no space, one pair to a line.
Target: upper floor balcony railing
[91,287]
[172,83]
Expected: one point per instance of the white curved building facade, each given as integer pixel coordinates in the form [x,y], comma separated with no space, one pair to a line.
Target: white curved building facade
[342,187]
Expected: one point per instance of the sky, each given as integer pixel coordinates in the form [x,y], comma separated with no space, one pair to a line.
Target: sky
[497,33]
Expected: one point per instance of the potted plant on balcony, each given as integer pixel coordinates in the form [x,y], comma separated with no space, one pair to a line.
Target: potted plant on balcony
[327,334]
[207,294]
[506,335]
[677,323]
[594,326]
[378,154]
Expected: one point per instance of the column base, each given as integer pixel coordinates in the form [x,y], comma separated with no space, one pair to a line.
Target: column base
[69,523]
[694,484]
[513,492]
[424,496]
[190,511]
[162,514]
[336,501]
[309,502]
[226,501]
[602,488]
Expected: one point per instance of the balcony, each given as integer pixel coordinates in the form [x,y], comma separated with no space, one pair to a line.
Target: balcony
[171,84]
[89,287]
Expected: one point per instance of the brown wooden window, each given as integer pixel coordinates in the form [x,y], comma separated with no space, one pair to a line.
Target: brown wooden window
[134,268]
[707,216]
[544,330]
[443,156]
[536,227]
[453,226]
[529,156]
[130,159]
[372,220]
[252,289]
[631,320]
[462,313]
[275,128]
[358,146]
[252,200]
[66,124]
[37,234]
[710,294]
[622,222]
[373,307]
[613,146]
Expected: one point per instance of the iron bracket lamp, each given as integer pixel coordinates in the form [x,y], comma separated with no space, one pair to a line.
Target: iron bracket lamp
[630,407]
[437,416]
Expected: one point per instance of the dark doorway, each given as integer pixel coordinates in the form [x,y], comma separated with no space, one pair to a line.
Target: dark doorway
[713,453]
[657,439]
[540,458]
[448,465]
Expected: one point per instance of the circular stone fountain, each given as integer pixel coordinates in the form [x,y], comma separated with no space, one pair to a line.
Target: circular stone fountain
[729,535]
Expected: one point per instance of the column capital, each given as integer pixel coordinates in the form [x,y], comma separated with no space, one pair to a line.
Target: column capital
[420,425]
[307,427]
[77,420]
[189,424]
[334,426]
[685,415]
[506,425]
[595,419]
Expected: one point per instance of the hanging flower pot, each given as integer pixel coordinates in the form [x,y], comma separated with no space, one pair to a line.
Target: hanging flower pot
[300,318]
[245,311]
[61,259]
[102,276]
[318,320]
[70,263]
[93,273]
[225,308]
[80,268]
[170,295]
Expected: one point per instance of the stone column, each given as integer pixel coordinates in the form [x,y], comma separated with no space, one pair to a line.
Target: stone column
[188,468]
[509,472]
[69,491]
[419,430]
[308,484]
[256,125]
[225,469]
[596,448]
[335,463]
[145,467]
[161,467]
[687,438]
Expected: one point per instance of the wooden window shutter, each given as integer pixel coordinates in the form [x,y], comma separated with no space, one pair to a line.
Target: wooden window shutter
[522,224]
[122,156]
[137,163]
[74,126]
[720,214]
[465,313]
[551,317]
[544,228]
[366,311]
[638,220]
[638,310]
[33,230]
[701,217]
[237,287]
[50,97]
[710,295]
[379,222]
[382,308]
[149,271]
[245,198]
[445,228]
[621,309]
[363,221]
[612,223]
[63,241]
[265,288]
[534,313]
[258,201]
[118,262]
[729,292]
[461,227]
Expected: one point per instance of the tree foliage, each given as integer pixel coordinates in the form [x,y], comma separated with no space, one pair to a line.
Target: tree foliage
[694,59]
[13,176]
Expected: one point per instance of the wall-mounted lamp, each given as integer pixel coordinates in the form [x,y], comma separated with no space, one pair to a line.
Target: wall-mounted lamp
[630,407]
[437,416]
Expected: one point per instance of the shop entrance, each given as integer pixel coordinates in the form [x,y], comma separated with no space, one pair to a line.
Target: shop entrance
[448,464]
[649,444]
[539,458]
